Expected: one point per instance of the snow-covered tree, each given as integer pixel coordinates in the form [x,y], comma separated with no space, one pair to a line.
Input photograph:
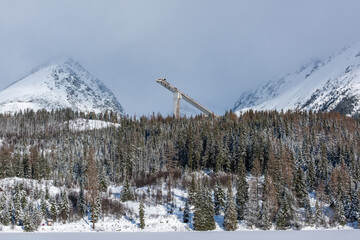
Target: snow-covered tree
[319,215]
[44,206]
[340,213]
[53,209]
[192,191]
[64,207]
[230,217]
[82,206]
[241,190]
[219,199]
[126,194]
[204,212]
[301,189]
[252,207]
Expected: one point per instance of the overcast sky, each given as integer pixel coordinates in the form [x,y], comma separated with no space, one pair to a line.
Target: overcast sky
[211,50]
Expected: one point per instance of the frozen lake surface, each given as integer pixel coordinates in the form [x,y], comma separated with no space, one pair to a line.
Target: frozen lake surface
[238,235]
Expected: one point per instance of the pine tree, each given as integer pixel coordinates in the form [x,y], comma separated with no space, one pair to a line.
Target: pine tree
[43,206]
[126,194]
[219,199]
[82,203]
[28,222]
[311,175]
[204,212]
[319,215]
[241,190]
[281,218]
[340,213]
[309,216]
[270,198]
[10,213]
[142,215]
[230,218]
[301,189]
[18,209]
[265,220]
[4,219]
[209,211]
[192,191]
[64,208]
[286,216]
[253,209]
[353,214]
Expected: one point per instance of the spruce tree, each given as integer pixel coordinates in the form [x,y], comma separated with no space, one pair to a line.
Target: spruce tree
[4,218]
[286,216]
[230,218]
[192,191]
[252,210]
[265,220]
[82,203]
[53,209]
[64,208]
[209,211]
[301,189]
[353,214]
[18,209]
[340,213]
[204,212]
[44,206]
[319,215]
[28,222]
[126,194]
[10,213]
[219,199]
[241,190]
[311,175]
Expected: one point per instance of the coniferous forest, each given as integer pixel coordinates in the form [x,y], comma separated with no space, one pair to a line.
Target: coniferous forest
[282,170]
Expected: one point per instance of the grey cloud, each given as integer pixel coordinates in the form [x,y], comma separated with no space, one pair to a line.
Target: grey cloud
[212,50]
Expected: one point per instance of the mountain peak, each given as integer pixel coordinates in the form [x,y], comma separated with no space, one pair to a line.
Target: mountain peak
[332,84]
[62,83]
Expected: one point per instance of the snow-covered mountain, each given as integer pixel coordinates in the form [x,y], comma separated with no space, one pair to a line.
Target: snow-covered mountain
[63,84]
[326,85]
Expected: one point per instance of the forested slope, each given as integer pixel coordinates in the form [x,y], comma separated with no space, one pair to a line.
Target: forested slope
[263,169]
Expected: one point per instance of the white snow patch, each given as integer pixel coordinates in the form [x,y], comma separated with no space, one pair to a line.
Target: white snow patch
[88,124]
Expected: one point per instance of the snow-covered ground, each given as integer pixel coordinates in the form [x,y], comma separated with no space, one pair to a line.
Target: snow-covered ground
[88,124]
[247,235]
[157,217]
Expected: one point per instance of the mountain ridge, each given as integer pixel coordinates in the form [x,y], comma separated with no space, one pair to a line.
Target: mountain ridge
[63,83]
[332,84]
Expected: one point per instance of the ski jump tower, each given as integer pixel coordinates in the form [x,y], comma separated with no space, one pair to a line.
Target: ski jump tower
[177,95]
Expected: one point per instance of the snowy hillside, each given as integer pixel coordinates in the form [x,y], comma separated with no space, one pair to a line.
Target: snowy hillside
[64,84]
[325,85]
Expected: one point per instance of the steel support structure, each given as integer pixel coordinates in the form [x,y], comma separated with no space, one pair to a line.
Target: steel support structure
[177,95]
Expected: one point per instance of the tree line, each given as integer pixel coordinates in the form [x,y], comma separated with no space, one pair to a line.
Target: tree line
[261,168]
